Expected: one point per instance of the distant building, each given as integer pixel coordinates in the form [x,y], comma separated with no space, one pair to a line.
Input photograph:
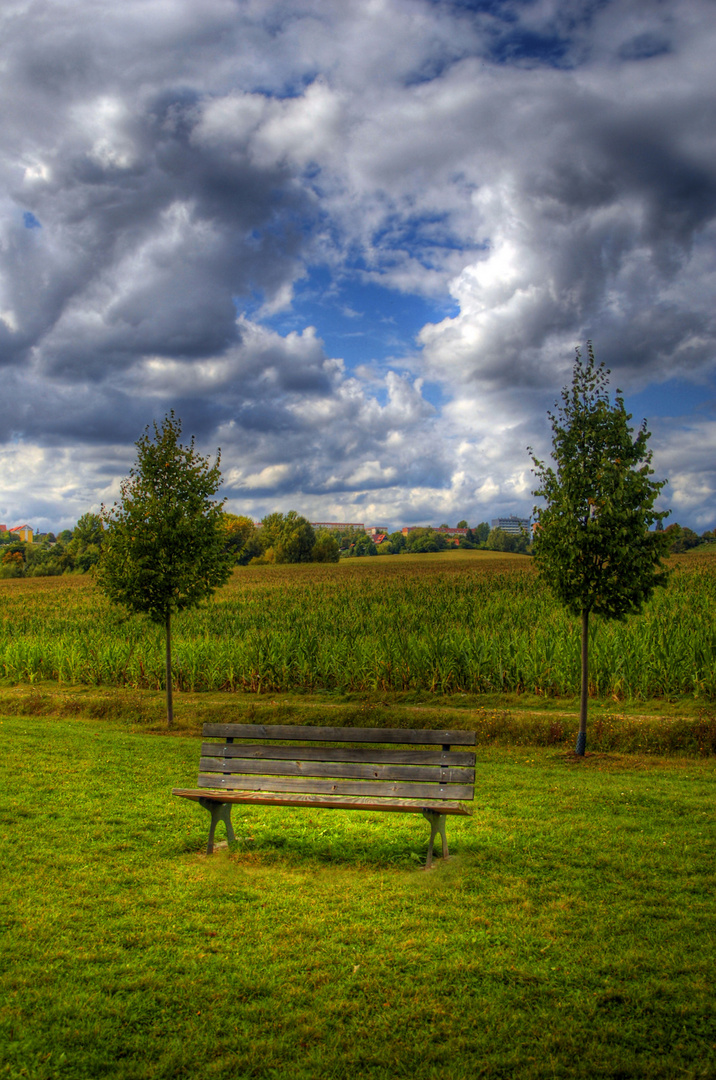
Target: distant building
[376,530]
[22,532]
[442,529]
[338,526]
[446,531]
[513,525]
[3,528]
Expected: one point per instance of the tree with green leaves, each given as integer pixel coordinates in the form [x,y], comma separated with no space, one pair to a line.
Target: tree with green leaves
[364,546]
[242,538]
[326,548]
[88,530]
[592,542]
[397,541]
[164,542]
[288,538]
[499,540]
[480,533]
[681,538]
[83,551]
[425,540]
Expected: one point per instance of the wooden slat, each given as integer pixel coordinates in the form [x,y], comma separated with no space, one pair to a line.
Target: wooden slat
[309,785]
[465,758]
[294,732]
[325,802]
[335,770]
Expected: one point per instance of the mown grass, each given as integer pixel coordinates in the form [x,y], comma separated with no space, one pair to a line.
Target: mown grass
[466,623]
[571,936]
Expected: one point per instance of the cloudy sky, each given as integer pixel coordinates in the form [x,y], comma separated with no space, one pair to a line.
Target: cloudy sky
[354,244]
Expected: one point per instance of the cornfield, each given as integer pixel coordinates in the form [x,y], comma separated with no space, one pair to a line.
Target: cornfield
[411,623]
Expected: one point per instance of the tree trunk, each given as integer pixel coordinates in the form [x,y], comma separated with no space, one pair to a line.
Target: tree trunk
[170,703]
[582,736]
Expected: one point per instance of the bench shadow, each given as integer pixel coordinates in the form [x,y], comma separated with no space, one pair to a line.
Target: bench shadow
[379,850]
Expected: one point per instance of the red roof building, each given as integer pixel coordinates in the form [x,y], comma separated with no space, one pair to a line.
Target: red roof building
[24,533]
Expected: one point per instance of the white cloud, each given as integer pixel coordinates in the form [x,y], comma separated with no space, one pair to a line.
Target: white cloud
[186,163]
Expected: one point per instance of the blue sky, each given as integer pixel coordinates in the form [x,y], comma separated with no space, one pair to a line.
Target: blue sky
[354,245]
[366,324]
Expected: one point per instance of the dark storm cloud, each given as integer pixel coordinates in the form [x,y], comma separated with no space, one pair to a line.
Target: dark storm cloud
[149,258]
[644,47]
[168,165]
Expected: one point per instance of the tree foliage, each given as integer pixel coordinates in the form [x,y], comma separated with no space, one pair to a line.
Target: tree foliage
[286,538]
[280,538]
[363,546]
[480,533]
[326,549]
[500,540]
[89,529]
[593,543]
[426,540]
[397,541]
[242,538]
[682,538]
[164,543]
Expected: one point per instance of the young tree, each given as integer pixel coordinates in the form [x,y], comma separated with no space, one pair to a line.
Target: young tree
[164,543]
[592,541]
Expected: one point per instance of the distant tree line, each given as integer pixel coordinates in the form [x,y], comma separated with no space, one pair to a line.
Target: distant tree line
[683,539]
[354,543]
[291,538]
[280,538]
[71,551]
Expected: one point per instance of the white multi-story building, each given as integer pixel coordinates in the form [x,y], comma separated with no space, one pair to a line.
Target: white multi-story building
[512,524]
[338,526]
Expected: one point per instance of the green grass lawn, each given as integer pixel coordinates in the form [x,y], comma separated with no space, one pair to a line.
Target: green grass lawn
[572,935]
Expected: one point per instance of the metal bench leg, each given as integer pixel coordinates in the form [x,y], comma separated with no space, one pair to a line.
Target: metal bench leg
[220,811]
[437,825]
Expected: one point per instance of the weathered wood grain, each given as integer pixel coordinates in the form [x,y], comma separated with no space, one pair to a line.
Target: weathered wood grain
[342,770]
[291,732]
[413,756]
[325,802]
[315,786]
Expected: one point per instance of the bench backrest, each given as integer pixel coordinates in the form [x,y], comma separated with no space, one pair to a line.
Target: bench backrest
[370,762]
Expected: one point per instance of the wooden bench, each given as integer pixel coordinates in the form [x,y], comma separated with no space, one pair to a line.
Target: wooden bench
[370,769]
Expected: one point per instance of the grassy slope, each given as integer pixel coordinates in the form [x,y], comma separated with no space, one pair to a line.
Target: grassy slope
[572,935]
[681,727]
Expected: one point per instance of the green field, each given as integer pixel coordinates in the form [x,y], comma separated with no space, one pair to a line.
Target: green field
[463,622]
[571,936]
